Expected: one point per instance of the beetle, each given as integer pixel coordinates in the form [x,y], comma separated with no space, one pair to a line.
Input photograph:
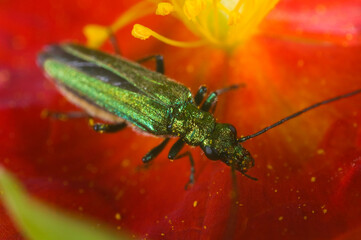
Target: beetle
[122,92]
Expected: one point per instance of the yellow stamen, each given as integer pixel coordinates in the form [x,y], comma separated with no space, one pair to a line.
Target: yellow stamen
[222,23]
[220,6]
[139,10]
[142,32]
[235,15]
[96,35]
[164,8]
[234,18]
[192,8]
[238,6]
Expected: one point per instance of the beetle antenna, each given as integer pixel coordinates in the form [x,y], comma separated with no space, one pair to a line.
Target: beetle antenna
[346,95]
[250,177]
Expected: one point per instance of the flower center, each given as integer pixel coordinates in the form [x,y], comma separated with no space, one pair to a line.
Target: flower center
[222,23]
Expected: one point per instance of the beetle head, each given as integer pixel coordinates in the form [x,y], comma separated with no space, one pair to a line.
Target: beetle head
[222,145]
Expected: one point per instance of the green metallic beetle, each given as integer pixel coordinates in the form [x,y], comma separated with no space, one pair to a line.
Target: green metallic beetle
[114,89]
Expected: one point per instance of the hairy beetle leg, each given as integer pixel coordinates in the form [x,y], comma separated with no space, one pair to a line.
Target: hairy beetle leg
[198,98]
[106,128]
[191,176]
[174,155]
[175,149]
[212,97]
[155,151]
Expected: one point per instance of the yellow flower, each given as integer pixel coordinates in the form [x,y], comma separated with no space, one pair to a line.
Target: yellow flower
[224,24]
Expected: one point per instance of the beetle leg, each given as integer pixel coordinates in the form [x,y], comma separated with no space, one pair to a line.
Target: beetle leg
[63,116]
[159,62]
[174,154]
[198,98]
[175,149]
[212,97]
[213,107]
[106,128]
[191,176]
[155,151]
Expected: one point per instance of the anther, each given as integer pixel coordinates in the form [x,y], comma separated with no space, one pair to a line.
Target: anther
[141,32]
[164,8]
[192,8]
[96,35]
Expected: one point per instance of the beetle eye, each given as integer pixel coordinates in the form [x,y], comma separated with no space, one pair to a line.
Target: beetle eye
[233,130]
[211,153]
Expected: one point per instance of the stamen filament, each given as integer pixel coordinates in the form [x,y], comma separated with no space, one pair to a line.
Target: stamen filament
[223,8]
[216,18]
[238,6]
[139,10]
[142,32]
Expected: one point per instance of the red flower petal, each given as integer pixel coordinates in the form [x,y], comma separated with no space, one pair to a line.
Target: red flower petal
[320,21]
[308,168]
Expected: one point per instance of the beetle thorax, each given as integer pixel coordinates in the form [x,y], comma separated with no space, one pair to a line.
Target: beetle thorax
[191,124]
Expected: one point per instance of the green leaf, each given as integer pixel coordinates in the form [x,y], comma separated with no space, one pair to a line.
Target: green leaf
[37,221]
